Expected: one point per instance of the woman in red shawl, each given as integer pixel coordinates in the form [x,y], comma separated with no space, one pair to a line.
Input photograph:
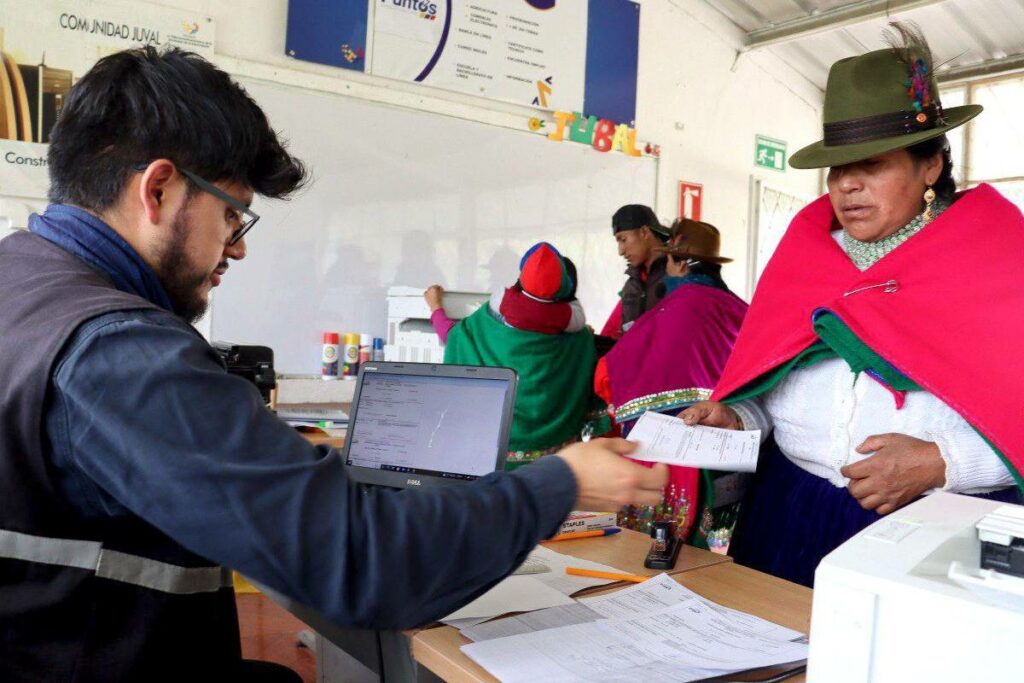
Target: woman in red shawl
[876,345]
[671,357]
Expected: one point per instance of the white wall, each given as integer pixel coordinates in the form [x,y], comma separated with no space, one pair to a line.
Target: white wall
[696,99]
[704,107]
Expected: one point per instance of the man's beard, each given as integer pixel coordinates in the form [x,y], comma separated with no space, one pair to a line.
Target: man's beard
[183,283]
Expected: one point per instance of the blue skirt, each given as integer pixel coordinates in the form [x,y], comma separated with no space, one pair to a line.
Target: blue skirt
[790,519]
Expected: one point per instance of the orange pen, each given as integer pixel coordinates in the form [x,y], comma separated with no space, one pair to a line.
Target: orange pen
[613,576]
[573,535]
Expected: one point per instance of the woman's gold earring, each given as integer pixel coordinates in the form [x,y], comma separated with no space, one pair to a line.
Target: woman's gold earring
[929,199]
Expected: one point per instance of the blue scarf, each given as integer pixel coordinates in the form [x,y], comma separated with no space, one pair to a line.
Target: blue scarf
[87,237]
[672,283]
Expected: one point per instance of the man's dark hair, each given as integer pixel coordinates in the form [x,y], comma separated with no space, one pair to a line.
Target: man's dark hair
[945,186]
[144,104]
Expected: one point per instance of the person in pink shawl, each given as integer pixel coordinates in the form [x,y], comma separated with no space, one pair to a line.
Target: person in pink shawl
[670,358]
[879,349]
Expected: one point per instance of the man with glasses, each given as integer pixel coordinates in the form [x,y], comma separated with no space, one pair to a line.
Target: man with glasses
[133,466]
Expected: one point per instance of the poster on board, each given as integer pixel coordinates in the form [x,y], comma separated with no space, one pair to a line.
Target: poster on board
[46,45]
[525,52]
[569,55]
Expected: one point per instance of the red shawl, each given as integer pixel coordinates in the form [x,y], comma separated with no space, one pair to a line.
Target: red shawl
[946,308]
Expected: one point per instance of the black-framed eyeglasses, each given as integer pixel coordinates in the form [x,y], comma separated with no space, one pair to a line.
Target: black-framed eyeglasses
[245,217]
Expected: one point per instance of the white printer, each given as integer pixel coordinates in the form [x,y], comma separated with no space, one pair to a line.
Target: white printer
[411,337]
[907,598]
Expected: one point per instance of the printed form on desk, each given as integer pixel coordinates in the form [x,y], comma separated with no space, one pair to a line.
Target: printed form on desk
[658,630]
[547,585]
[668,439]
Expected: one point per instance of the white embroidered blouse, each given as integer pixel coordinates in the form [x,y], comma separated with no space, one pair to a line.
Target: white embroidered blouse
[821,413]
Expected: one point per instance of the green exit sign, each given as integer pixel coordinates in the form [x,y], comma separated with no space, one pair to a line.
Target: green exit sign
[771,153]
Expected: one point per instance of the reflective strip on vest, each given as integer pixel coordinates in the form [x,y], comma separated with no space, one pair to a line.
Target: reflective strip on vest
[113,565]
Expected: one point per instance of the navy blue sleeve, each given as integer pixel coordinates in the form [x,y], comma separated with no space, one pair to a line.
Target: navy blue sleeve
[143,417]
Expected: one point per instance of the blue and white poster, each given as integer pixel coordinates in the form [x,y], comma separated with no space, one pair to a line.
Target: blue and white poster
[569,55]
[512,50]
[333,33]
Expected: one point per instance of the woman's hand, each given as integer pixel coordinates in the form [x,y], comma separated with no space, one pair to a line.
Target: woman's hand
[901,469]
[711,414]
[434,297]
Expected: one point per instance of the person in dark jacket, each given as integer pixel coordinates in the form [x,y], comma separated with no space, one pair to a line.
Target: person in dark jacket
[134,468]
[639,235]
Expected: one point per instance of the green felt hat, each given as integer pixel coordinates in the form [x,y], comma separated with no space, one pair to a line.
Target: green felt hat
[879,102]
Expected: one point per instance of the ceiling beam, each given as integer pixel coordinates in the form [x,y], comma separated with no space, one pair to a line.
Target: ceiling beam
[994,67]
[829,20]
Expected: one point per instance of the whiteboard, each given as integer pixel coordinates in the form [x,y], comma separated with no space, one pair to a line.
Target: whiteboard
[402,197]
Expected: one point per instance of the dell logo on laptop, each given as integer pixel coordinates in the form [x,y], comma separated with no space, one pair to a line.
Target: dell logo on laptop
[412,482]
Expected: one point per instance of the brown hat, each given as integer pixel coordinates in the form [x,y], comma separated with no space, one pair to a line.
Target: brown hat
[694,240]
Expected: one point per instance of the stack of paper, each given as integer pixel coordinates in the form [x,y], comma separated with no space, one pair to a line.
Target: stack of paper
[514,594]
[657,630]
[325,414]
[547,586]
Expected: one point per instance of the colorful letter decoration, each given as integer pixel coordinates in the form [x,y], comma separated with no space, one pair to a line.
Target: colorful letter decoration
[601,134]
[561,119]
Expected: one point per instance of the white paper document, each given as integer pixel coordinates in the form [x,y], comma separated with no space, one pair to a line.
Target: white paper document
[641,598]
[558,579]
[668,439]
[547,586]
[690,639]
[514,594]
[552,617]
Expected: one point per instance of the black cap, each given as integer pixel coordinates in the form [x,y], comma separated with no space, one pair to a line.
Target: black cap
[636,216]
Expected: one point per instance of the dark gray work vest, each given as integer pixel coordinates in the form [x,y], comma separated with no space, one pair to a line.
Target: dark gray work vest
[81,600]
[640,296]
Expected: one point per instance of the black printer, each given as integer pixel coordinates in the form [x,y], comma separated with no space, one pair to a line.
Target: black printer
[254,363]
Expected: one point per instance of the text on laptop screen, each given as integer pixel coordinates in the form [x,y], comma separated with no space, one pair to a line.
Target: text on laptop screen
[442,426]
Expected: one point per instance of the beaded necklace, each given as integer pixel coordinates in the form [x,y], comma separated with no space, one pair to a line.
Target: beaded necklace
[866,254]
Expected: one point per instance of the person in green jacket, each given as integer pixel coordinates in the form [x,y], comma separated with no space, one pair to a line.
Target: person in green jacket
[536,327]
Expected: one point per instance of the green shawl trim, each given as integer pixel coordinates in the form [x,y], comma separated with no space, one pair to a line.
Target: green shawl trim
[837,340]
[858,356]
[555,375]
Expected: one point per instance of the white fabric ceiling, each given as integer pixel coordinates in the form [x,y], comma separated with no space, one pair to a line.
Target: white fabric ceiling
[962,33]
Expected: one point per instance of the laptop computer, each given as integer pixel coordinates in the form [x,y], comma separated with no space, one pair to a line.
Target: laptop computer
[415,425]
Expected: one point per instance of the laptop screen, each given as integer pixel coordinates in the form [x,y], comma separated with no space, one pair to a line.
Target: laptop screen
[425,422]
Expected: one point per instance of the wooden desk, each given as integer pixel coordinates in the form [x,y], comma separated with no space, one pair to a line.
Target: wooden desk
[387,653]
[729,584]
[733,585]
[626,551]
[318,438]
